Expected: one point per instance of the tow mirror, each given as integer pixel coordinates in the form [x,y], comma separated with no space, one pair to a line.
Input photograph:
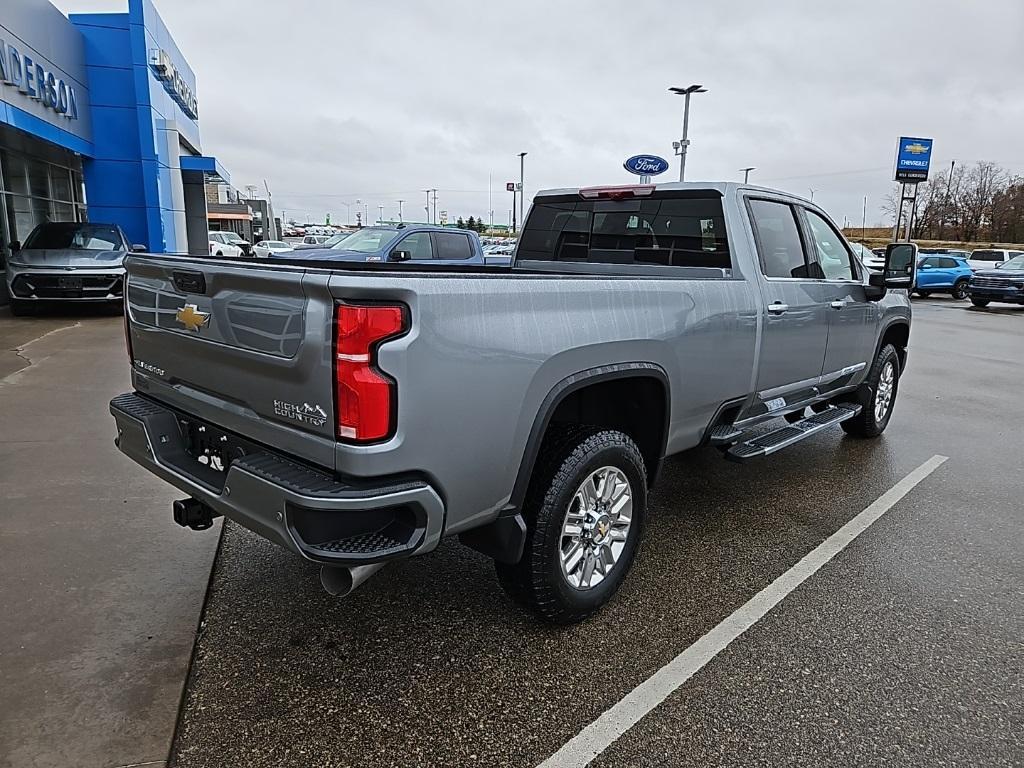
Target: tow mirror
[900,271]
[900,265]
[398,255]
[138,248]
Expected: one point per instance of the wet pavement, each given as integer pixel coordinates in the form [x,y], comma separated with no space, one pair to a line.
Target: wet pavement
[100,593]
[904,650]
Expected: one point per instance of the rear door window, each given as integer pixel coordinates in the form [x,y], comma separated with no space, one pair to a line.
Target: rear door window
[778,240]
[677,232]
[451,246]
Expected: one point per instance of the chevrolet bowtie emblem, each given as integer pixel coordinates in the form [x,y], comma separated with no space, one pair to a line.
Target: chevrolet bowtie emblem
[191,317]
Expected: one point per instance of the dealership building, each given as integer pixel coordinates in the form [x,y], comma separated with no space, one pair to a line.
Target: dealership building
[99,121]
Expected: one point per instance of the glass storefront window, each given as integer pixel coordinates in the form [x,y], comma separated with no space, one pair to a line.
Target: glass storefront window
[60,184]
[39,179]
[14,174]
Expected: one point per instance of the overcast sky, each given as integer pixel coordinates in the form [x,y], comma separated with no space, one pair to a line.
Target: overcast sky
[334,100]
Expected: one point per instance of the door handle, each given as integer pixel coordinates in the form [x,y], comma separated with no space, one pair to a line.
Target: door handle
[777,308]
[837,304]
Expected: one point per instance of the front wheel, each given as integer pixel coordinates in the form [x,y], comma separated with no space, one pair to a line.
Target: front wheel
[924,294]
[876,396]
[979,302]
[584,515]
[960,290]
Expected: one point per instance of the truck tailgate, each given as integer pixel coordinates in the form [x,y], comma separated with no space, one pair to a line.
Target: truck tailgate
[245,347]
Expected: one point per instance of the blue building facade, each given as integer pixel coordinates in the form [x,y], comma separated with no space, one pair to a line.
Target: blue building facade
[99,120]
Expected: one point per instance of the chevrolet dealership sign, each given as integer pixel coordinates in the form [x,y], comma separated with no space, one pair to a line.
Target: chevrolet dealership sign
[174,83]
[19,71]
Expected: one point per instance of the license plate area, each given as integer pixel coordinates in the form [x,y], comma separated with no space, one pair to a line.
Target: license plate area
[212,449]
[69,283]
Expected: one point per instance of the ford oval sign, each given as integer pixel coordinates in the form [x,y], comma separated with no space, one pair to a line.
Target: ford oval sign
[646,165]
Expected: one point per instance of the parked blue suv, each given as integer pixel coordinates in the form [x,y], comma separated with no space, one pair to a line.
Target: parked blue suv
[943,273]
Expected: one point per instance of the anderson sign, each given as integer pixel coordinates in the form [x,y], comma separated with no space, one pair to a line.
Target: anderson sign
[18,70]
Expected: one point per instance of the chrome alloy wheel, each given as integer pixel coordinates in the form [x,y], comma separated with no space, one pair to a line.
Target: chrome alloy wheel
[884,392]
[596,528]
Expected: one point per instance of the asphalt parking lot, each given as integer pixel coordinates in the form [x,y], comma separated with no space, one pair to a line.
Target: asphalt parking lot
[905,649]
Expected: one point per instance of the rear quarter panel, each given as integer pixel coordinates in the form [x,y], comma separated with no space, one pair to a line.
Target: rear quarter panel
[485,350]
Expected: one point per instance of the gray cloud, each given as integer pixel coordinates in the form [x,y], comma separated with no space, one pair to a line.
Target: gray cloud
[334,101]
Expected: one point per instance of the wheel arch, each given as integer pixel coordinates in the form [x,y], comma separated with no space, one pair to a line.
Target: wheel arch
[651,443]
[897,333]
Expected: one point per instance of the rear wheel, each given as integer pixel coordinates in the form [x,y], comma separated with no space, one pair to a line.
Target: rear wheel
[584,515]
[960,289]
[876,396]
[979,302]
[924,294]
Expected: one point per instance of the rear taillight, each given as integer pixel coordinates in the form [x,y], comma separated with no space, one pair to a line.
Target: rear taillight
[364,398]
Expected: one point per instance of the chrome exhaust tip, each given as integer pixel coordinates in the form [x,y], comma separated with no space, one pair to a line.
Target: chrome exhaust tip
[343,580]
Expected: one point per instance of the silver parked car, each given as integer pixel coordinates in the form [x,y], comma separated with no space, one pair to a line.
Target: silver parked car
[68,261]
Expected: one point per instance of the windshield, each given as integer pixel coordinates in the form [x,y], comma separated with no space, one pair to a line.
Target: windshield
[332,241]
[86,237]
[233,238]
[987,255]
[1017,262]
[366,240]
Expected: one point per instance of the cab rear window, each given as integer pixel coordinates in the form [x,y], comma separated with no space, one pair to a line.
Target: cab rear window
[677,232]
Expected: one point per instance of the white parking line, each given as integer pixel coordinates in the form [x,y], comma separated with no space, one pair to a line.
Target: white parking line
[600,734]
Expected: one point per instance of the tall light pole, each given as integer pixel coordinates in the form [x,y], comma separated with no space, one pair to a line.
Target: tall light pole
[812,194]
[522,190]
[380,213]
[433,219]
[427,206]
[400,211]
[746,173]
[681,145]
[360,221]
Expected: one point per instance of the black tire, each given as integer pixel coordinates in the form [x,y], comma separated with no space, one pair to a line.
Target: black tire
[924,294]
[867,423]
[569,457]
[979,302]
[21,308]
[960,290]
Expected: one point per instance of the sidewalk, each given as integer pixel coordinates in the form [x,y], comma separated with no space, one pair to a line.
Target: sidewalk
[100,592]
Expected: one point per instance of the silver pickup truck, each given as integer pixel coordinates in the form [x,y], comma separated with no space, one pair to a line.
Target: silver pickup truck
[359,413]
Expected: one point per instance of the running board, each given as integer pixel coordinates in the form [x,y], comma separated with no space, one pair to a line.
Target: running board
[762,445]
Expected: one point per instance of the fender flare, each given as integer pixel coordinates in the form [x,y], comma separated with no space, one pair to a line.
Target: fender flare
[563,389]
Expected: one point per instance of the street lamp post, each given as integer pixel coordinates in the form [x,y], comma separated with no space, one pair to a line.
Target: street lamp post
[522,190]
[380,213]
[433,218]
[427,206]
[400,211]
[681,145]
[746,173]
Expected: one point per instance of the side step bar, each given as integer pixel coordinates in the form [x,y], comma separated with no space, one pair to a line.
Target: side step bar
[770,442]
